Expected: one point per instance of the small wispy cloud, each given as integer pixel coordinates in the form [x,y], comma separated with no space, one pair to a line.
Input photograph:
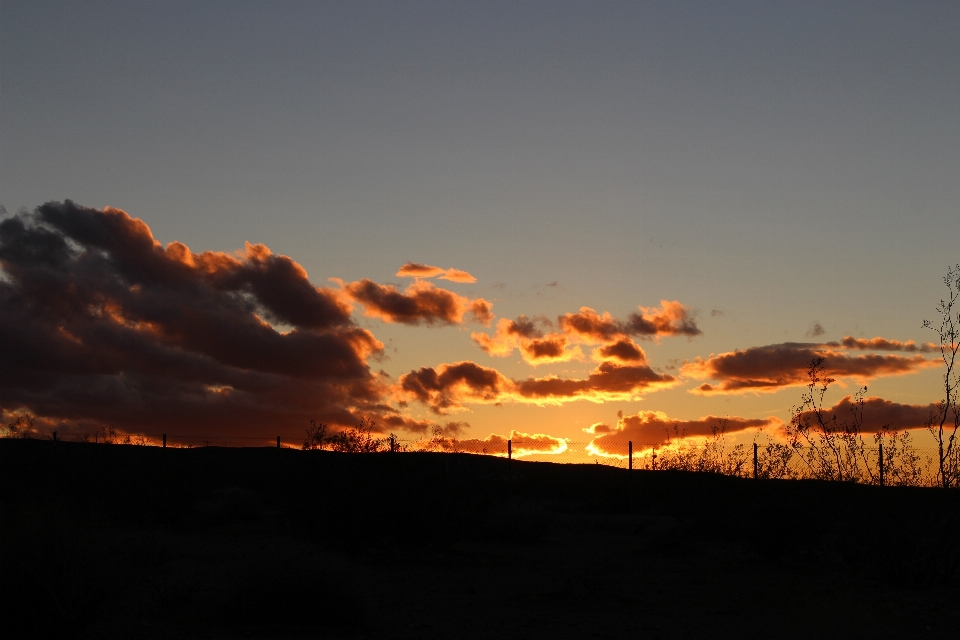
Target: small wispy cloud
[815,330]
[417,270]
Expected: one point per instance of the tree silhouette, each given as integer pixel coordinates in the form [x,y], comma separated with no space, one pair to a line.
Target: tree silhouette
[939,422]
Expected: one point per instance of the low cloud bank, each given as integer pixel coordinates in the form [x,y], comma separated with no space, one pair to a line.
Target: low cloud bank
[451,386]
[878,414]
[773,367]
[648,429]
[522,444]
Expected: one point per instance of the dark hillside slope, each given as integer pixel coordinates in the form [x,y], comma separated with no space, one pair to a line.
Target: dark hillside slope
[127,541]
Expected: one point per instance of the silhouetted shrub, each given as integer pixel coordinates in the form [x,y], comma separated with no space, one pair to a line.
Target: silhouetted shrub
[711,456]
[21,427]
[358,439]
[316,436]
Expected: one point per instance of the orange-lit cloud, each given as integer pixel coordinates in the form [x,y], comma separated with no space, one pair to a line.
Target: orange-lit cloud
[421,303]
[396,422]
[522,444]
[416,270]
[587,327]
[653,428]
[624,351]
[879,414]
[452,386]
[670,319]
[598,428]
[100,324]
[535,346]
[607,382]
[449,386]
[772,367]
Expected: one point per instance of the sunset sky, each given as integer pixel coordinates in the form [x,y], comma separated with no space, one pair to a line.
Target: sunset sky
[547,218]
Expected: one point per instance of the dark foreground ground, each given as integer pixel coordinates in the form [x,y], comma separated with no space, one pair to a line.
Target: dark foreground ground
[111,541]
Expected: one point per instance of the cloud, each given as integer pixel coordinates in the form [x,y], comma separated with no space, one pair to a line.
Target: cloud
[522,444]
[815,330]
[882,344]
[398,422]
[671,318]
[550,348]
[880,414]
[482,311]
[598,428]
[625,351]
[607,382]
[587,327]
[417,270]
[101,324]
[654,428]
[421,303]
[772,367]
[590,327]
[524,334]
[453,386]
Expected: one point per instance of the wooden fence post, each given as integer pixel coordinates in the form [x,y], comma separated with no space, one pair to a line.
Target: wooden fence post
[393,444]
[881,464]
[653,460]
[755,465]
[509,449]
[54,436]
[164,441]
[630,455]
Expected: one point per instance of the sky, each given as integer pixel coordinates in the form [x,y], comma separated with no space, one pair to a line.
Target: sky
[580,220]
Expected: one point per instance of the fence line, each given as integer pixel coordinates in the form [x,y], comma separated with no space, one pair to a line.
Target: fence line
[897,465]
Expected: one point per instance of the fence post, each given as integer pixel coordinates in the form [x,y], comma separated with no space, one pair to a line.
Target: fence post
[509,449]
[653,460]
[164,441]
[881,464]
[54,436]
[278,443]
[630,455]
[393,444]
[755,465]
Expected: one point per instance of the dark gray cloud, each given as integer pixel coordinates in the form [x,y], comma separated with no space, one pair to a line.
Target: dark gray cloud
[99,323]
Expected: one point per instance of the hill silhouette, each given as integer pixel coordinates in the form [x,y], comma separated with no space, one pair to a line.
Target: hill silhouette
[134,541]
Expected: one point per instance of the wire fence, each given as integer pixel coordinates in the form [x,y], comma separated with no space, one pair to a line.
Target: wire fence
[890,464]
[895,464]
